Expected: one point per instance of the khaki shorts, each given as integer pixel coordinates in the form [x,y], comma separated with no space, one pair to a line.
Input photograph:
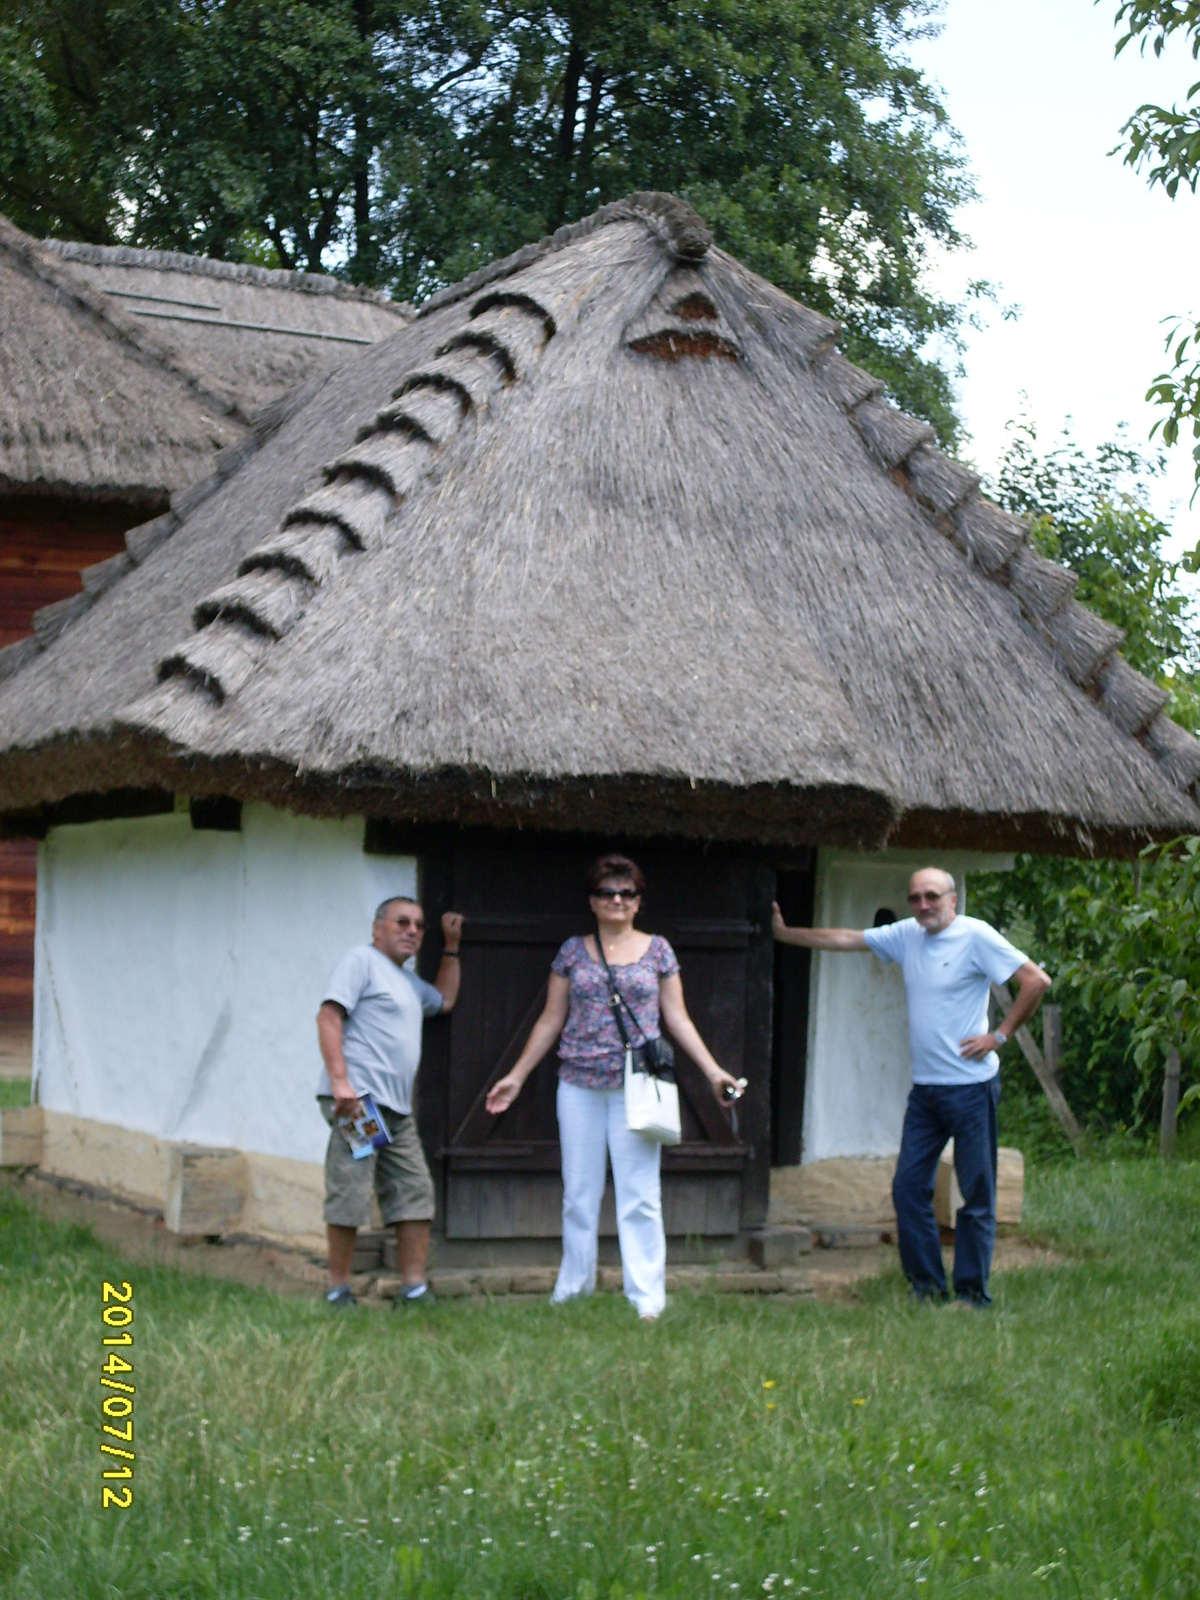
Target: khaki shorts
[398,1173]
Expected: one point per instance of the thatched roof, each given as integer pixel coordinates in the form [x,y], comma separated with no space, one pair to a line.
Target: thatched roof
[123,372]
[608,537]
[91,405]
[248,333]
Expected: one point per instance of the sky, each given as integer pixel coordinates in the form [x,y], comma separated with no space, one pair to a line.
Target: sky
[1094,258]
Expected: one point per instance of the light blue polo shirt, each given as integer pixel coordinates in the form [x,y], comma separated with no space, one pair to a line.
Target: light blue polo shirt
[947,978]
[385,1006]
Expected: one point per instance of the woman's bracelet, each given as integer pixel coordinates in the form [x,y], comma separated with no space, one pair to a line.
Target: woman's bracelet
[450,955]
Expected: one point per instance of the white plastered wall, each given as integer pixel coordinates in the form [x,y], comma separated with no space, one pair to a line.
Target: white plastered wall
[178,972]
[858,1074]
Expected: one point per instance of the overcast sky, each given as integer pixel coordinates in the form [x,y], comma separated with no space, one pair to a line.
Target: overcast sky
[1093,257]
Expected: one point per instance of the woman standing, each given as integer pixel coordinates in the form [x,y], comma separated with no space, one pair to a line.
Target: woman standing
[591,1078]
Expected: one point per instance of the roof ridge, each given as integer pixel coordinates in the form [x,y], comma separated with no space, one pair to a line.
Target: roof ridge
[30,254]
[681,228]
[124,255]
[1083,646]
[235,625]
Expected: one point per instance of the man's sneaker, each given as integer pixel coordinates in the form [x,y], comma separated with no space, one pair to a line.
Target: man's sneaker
[414,1296]
[338,1299]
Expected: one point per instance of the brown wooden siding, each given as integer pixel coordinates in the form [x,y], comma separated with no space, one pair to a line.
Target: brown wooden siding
[44,544]
[18,883]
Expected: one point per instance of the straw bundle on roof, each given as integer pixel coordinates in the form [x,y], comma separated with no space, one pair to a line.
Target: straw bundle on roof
[610,536]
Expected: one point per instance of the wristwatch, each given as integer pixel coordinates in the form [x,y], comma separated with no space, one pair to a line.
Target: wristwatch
[1000,1038]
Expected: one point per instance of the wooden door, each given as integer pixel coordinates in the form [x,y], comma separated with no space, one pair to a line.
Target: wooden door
[794,890]
[521,898]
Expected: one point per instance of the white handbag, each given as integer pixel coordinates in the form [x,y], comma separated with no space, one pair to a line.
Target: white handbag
[651,1101]
[651,1105]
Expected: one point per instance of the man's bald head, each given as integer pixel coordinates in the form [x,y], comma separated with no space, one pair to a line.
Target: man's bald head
[933,898]
[935,877]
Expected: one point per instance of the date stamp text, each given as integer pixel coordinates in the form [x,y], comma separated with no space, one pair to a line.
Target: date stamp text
[116,1406]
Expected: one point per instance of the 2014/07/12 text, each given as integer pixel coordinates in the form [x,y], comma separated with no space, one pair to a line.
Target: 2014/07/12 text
[116,1374]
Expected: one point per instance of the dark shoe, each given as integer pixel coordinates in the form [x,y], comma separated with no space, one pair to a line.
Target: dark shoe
[339,1299]
[926,1295]
[971,1302]
[415,1296]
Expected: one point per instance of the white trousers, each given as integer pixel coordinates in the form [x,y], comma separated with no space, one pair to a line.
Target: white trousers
[591,1126]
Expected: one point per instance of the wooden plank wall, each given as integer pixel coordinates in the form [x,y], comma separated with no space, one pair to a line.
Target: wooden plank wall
[18,884]
[44,544]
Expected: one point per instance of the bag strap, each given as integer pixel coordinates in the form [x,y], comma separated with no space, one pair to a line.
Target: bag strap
[617,999]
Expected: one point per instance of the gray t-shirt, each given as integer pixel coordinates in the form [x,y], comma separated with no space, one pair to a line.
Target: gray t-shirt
[947,978]
[381,1036]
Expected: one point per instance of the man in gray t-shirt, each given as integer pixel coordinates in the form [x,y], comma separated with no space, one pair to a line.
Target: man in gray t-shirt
[949,965]
[369,1030]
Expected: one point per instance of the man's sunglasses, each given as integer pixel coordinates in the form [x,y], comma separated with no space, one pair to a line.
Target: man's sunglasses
[928,898]
[617,894]
[409,922]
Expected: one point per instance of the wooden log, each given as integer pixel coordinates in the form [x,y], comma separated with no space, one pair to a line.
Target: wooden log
[1170,1107]
[1029,1049]
[206,1189]
[1010,1188]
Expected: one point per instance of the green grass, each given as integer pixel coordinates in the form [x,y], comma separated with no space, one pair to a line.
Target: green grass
[1048,1448]
[14,1092]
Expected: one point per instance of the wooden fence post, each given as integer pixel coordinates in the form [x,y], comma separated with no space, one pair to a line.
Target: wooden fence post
[1029,1049]
[1170,1107]
[1052,1041]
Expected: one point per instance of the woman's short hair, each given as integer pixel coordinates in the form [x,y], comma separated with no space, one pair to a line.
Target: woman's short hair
[614,867]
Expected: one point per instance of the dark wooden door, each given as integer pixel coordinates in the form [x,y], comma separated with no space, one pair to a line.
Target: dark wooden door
[794,889]
[521,898]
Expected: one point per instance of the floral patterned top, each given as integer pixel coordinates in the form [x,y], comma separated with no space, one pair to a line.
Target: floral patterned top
[590,1051]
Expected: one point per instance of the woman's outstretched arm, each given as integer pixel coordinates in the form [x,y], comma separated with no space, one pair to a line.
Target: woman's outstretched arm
[541,1036]
[687,1035]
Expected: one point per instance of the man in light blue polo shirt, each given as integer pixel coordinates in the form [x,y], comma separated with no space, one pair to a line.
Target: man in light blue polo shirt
[949,965]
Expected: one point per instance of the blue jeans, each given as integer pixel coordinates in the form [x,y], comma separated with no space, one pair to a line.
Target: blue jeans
[966,1113]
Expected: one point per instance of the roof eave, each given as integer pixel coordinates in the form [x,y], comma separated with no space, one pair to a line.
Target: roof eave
[36,783]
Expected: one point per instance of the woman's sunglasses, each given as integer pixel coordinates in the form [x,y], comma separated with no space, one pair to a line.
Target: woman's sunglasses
[617,894]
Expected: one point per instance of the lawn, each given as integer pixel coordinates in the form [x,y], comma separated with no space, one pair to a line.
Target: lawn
[1050,1447]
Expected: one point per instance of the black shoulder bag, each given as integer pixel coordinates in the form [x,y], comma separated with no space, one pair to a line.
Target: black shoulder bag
[655,1056]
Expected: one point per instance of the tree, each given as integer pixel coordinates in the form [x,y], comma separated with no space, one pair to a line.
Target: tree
[797,127]
[403,142]
[1165,141]
[245,130]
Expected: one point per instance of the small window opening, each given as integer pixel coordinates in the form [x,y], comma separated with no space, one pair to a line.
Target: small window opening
[695,307]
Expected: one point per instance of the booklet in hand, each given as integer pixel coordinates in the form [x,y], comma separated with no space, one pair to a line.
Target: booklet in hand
[366,1130]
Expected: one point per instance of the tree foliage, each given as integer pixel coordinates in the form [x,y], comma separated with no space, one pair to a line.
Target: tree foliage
[404,143]
[1136,961]
[1164,141]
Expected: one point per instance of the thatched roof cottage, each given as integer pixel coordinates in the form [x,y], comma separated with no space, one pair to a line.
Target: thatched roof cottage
[127,376]
[607,542]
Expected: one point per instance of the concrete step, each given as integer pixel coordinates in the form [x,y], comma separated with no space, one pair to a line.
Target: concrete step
[460,1283]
